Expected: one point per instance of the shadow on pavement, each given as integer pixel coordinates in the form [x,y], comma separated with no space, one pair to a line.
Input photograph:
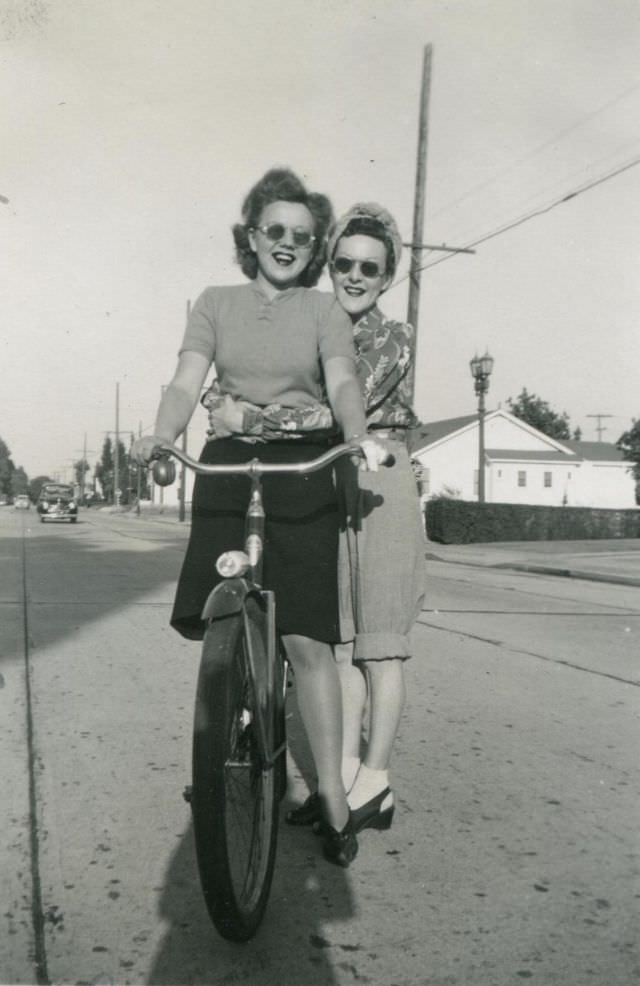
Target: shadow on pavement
[308,894]
[290,947]
[83,577]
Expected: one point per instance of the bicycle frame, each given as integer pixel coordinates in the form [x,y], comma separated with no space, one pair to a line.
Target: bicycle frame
[242,571]
[229,597]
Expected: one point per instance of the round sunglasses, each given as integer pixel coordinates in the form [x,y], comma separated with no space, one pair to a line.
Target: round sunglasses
[276,231]
[368,268]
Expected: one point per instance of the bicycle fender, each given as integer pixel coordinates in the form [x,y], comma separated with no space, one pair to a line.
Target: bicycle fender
[228,597]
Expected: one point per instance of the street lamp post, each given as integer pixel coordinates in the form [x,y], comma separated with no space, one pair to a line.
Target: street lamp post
[481,367]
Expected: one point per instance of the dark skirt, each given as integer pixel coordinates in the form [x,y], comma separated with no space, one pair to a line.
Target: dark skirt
[301,538]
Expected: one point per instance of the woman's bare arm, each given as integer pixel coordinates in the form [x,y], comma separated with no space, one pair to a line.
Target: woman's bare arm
[177,403]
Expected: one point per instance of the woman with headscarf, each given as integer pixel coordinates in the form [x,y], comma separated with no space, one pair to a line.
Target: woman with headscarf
[382,551]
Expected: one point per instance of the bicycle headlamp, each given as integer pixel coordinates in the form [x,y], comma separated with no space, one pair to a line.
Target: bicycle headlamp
[232,563]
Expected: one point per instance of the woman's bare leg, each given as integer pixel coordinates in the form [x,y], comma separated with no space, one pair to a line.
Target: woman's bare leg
[320,703]
[387,696]
[354,698]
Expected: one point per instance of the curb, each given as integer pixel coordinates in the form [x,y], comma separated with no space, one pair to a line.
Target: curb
[571,573]
[567,573]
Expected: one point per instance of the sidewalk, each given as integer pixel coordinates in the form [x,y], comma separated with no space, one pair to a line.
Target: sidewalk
[615,560]
[611,560]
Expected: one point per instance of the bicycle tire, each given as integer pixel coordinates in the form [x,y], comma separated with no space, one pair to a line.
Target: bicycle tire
[234,794]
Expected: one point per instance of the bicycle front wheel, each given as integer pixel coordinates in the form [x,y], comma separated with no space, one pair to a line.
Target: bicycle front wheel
[234,797]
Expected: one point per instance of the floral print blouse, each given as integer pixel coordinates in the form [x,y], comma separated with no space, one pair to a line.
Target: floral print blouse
[385,350]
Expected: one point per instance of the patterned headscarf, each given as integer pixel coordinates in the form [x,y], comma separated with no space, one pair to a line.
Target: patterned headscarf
[368,210]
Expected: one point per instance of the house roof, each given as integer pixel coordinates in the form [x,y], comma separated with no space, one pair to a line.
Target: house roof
[530,455]
[596,451]
[432,431]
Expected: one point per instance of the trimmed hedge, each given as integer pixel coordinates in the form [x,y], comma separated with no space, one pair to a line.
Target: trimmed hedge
[466,522]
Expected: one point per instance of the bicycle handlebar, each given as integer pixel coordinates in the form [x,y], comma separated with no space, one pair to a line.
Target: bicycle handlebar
[164,470]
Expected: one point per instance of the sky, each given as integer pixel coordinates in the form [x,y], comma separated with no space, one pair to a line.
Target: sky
[132,130]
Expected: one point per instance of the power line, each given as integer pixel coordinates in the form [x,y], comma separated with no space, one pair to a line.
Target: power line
[541,147]
[533,214]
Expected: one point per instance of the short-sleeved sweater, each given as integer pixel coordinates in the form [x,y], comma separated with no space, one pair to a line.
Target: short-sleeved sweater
[269,350]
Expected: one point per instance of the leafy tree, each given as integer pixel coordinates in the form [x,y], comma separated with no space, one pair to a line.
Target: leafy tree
[19,481]
[6,469]
[80,470]
[540,415]
[36,485]
[105,470]
[13,480]
[123,473]
[629,445]
[135,474]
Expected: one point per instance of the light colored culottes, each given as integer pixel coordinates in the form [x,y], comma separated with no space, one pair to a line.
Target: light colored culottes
[381,557]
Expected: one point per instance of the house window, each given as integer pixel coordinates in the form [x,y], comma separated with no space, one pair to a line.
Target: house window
[476,482]
[425,481]
[499,473]
[522,477]
[547,480]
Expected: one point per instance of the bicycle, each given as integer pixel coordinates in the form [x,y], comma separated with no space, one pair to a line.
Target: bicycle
[239,739]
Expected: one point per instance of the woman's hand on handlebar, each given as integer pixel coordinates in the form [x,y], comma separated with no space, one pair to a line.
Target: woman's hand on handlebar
[375,452]
[142,448]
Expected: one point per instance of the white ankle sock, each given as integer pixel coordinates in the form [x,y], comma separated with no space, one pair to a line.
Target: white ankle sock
[367,784]
[350,768]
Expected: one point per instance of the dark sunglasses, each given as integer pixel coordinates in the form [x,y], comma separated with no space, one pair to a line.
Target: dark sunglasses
[368,268]
[276,231]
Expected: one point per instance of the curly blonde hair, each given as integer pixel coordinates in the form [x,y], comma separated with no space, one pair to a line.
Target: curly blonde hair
[282,185]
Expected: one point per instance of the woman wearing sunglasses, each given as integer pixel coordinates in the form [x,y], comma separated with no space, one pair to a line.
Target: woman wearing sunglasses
[382,575]
[382,552]
[274,342]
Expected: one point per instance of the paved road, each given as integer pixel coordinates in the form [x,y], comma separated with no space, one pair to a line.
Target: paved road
[514,854]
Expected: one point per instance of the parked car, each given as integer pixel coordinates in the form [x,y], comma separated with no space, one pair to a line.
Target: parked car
[22,502]
[57,502]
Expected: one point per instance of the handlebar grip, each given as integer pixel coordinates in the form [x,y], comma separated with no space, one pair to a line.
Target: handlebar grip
[164,471]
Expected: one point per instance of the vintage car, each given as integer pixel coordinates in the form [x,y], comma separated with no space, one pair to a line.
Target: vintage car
[21,501]
[57,502]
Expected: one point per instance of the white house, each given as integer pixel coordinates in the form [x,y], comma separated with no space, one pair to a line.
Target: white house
[522,465]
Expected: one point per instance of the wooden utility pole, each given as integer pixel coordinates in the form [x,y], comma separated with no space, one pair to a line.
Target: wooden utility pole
[600,427]
[138,475]
[85,468]
[418,211]
[116,465]
[183,471]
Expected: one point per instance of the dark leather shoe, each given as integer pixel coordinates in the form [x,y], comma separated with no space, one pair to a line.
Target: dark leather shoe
[371,815]
[307,813]
[340,847]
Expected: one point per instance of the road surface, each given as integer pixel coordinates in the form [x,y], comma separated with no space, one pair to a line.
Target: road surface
[513,856]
